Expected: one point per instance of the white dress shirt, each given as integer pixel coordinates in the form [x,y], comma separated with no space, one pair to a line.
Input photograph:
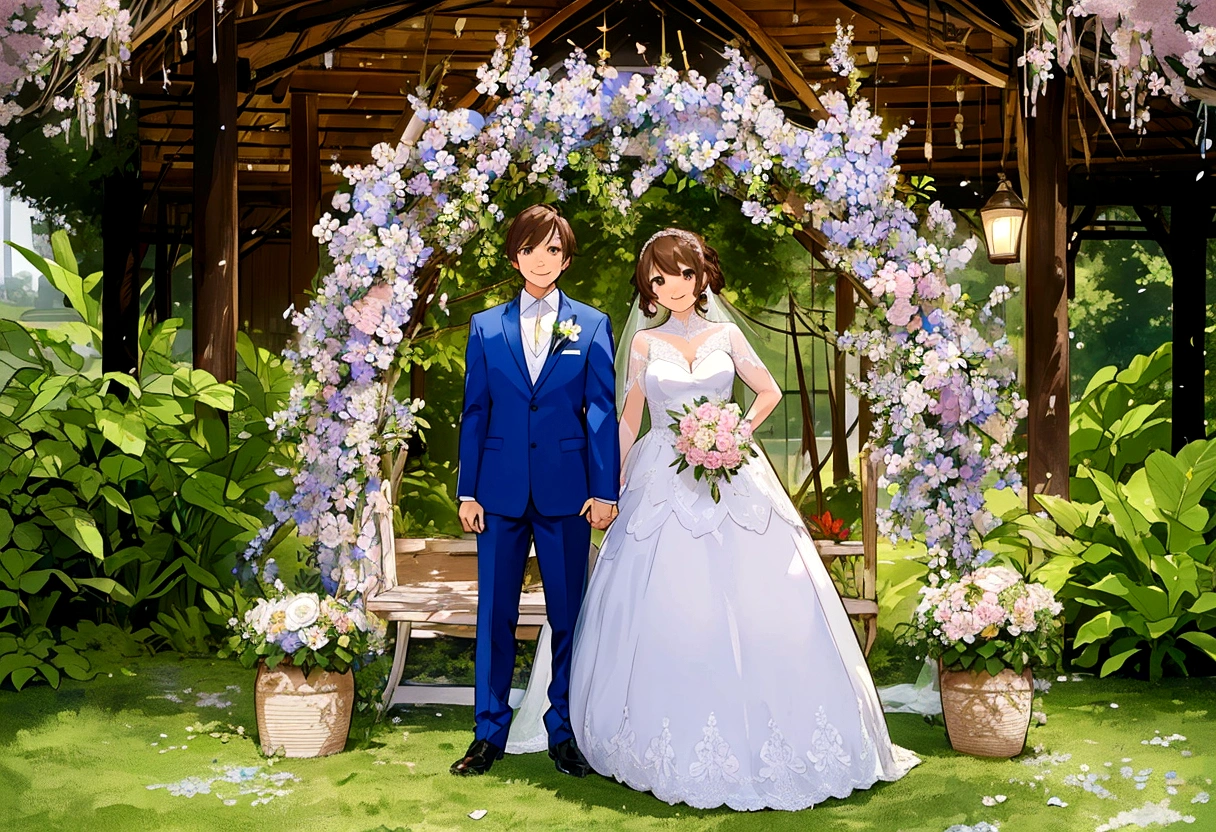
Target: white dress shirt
[537,342]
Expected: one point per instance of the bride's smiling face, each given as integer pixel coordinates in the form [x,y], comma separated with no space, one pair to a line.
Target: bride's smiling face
[677,292]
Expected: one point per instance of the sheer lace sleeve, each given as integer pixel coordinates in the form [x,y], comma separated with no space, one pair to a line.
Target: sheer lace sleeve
[635,397]
[755,375]
[639,354]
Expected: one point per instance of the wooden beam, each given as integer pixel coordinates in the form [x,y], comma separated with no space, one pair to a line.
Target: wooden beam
[305,194]
[968,63]
[272,71]
[782,64]
[1189,225]
[215,198]
[1046,295]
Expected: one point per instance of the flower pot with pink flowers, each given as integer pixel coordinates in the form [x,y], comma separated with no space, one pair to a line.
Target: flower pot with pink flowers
[988,630]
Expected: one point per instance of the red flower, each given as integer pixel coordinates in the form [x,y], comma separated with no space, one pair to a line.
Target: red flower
[827,527]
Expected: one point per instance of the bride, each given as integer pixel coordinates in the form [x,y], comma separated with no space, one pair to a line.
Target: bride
[713,660]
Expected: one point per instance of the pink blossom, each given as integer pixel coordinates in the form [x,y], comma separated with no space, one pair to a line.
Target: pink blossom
[728,421]
[707,412]
[732,459]
[901,312]
[688,426]
[725,441]
[695,456]
[713,460]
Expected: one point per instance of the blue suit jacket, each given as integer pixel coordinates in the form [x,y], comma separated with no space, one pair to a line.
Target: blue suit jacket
[554,441]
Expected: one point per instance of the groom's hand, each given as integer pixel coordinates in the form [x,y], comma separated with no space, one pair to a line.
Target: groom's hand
[472,517]
[599,514]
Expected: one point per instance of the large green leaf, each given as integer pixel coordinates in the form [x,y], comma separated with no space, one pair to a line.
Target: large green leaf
[202,386]
[1204,641]
[124,429]
[78,525]
[1115,662]
[1178,484]
[1178,574]
[1205,603]
[1131,525]
[1098,628]
[118,468]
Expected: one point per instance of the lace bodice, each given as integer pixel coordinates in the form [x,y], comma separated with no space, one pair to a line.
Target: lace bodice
[658,361]
[668,380]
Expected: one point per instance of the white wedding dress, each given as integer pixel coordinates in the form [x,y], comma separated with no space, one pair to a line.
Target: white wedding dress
[713,660]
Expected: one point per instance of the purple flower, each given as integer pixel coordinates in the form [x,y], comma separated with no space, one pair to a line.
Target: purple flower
[290,642]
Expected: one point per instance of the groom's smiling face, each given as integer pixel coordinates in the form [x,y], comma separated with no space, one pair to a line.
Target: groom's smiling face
[542,265]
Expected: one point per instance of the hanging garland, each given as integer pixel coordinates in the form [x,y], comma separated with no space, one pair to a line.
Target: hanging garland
[940,386]
[1127,52]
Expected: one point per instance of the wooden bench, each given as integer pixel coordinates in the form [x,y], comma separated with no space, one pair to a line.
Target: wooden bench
[431,584]
[864,606]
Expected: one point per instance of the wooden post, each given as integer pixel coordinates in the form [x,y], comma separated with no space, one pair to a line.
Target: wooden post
[1046,295]
[846,308]
[122,196]
[162,275]
[305,194]
[215,255]
[1189,225]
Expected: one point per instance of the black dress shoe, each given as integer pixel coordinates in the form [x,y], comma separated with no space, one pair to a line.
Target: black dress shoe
[568,759]
[478,759]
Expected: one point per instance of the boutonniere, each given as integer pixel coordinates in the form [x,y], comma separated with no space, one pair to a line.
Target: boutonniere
[567,330]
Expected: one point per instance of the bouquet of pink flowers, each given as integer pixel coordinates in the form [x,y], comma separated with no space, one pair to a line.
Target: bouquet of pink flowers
[713,439]
[988,620]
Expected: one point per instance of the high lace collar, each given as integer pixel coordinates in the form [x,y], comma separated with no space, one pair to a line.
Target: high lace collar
[688,330]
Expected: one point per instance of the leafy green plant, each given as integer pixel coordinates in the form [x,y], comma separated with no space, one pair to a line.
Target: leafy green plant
[1135,568]
[1123,416]
[134,508]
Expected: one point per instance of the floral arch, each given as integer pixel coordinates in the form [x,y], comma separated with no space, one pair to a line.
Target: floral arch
[941,381]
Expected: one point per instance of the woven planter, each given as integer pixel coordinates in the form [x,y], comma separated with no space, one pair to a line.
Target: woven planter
[303,717]
[987,716]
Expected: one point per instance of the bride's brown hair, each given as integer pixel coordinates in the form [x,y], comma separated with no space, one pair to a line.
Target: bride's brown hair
[671,251]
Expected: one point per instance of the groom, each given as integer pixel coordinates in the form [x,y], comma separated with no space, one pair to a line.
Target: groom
[538,464]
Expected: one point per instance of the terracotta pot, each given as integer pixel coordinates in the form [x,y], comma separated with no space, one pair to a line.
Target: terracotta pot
[986,715]
[303,717]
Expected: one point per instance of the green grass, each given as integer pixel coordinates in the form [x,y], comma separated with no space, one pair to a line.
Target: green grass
[83,758]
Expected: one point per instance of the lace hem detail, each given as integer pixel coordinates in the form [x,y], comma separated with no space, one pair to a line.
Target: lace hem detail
[784,781]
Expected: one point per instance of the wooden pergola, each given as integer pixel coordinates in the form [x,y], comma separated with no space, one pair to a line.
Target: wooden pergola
[236,151]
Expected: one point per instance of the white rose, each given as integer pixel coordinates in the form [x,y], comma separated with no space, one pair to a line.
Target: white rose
[259,616]
[302,611]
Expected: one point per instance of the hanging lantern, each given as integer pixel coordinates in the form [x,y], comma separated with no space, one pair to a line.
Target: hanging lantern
[1003,217]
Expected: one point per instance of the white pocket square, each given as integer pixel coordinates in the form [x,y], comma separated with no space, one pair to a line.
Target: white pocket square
[571,352]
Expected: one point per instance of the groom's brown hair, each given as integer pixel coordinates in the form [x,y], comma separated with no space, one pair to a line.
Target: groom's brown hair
[534,226]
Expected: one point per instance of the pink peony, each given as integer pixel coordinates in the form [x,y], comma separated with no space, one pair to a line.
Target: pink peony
[732,459]
[745,431]
[683,445]
[725,441]
[729,421]
[707,412]
[688,426]
[695,456]
[713,460]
